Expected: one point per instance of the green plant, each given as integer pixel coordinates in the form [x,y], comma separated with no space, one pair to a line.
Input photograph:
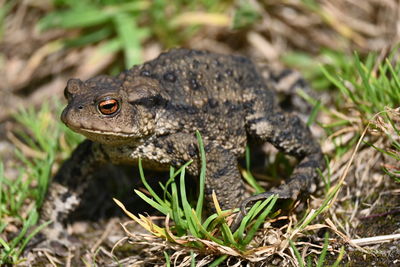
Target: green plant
[39,141]
[372,93]
[321,259]
[188,220]
[123,25]
[373,87]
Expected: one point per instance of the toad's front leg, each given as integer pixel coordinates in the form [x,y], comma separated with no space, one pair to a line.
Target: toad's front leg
[222,173]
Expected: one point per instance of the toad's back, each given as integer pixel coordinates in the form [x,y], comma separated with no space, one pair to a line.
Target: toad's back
[207,92]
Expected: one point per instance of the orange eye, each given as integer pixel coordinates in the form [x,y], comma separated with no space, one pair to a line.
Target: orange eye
[108,107]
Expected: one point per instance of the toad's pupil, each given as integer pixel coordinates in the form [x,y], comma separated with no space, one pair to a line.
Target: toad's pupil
[108,106]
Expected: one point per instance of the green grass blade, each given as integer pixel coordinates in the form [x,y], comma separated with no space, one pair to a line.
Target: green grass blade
[184,166]
[209,220]
[87,16]
[296,253]
[249,178]
[339,85]
[32,219]
[147,186]
[218,261]
[92,37]
[369,94]
[260,219]
[192,259]
[6,247]
[2,179]
[245,221]
[204,231]
[167,259]
[186,206]
[322,256]
[340,257]
[131,37]
[154,204]
[226,231]
[396,79]
[389,153]
[309,261]
[166,194]
[314,113]
[248,158]
[199,206]
[176,211]
[31,235]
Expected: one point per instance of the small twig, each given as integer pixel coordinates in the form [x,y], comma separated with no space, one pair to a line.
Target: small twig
[391,212]
[375,239]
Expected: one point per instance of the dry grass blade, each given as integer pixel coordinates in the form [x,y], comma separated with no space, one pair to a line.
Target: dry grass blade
[201,18]
[25,149]
[51,259]
[170,235]
[350,162]
[143,221]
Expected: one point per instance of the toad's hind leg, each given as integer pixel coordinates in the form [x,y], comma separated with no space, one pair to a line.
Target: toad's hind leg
[268,123]
[64,195]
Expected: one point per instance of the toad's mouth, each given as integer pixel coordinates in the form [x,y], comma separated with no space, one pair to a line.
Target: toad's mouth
[90,132]
[122,134]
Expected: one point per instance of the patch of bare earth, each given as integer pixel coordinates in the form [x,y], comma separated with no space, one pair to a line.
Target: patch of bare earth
[366,211]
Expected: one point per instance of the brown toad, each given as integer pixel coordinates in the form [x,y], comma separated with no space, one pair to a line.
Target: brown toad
[152,112]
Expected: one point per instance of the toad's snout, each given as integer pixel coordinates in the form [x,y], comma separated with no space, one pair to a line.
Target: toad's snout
[72,117]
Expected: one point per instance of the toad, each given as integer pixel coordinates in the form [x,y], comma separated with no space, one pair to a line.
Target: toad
[152,112]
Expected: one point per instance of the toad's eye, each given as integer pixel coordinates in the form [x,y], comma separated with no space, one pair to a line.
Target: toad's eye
[108,107]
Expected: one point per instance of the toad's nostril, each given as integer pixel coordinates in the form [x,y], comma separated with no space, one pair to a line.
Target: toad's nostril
[80,107]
